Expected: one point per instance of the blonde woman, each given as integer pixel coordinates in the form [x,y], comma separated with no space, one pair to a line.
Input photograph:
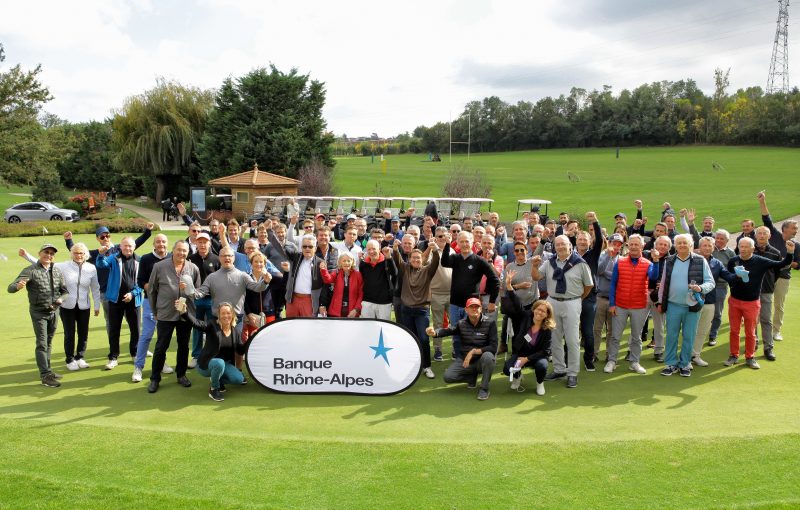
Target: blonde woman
[348,288]
[81,280]
[223,343]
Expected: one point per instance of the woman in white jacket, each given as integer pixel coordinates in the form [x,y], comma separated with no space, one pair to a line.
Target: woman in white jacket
[81,279]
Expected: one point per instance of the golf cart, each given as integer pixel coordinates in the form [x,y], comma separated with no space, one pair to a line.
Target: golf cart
[474,207]
[533,205]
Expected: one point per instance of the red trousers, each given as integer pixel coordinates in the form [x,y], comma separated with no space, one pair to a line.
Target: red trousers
[747,310]
[299,307]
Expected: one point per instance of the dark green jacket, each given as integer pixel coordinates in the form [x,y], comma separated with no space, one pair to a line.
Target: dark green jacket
[44,286]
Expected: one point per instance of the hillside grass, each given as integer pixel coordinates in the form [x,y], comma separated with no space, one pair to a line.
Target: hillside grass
[682,176]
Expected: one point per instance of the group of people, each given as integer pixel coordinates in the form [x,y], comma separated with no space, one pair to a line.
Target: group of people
[559,287]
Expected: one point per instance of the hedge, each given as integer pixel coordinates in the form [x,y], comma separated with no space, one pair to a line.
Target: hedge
[35,228]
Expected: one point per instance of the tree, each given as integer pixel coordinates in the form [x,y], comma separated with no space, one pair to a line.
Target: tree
[90,165]
[266,117]
[316,180]
[156,133]
[22,97]
[463,181]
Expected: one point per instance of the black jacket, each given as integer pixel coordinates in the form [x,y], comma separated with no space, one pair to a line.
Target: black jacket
[483,336]
[522,320]
[211,347]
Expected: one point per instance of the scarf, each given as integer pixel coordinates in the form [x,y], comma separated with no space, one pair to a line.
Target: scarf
[559,274]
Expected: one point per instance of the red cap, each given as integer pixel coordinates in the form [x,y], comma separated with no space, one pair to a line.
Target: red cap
[473,302]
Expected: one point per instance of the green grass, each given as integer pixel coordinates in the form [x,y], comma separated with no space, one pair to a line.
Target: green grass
[724,438]
[682,176]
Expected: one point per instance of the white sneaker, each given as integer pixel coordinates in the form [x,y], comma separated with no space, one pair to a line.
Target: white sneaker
[192,363]
[700,362]
[167,369]
[73,365]
[540,388]
[112,364]
[149,354]
[82,363]
[515,384]
[137,374]
[639,369]
[777,336]
[428,373]
[610,366]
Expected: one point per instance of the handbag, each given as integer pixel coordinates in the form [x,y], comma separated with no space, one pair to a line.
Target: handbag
[262,319]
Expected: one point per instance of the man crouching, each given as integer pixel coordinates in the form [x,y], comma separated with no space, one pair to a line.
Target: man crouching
[477,348]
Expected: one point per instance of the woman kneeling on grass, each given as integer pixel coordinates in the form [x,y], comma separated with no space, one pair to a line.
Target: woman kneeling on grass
[218,355]
[531,343]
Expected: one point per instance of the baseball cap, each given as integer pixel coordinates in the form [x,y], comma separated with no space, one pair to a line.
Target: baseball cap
[396,218]
[617,238]
[203,235]
[101,230]
[621,215]
[352,217]
[319,215]
[473,302]
[46,246]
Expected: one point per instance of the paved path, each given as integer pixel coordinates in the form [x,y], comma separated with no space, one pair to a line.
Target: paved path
[155,217]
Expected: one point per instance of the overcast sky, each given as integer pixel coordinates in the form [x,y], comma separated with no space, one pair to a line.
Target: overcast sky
[388,67]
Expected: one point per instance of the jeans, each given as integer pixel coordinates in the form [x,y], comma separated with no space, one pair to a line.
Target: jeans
[716,322]
[455,314]
[417,320]
[483,365]
[588,305]
[44,328]
[148,328]
[75,318]
[203,313]
[116,311]
[539,367]
[680,320]
[221,372]
[164,331]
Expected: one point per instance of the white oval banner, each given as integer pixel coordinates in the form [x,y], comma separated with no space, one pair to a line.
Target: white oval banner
[331,355]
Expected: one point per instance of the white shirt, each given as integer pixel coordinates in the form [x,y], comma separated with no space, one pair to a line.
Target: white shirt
[302,282]
[80,280]
[354,250]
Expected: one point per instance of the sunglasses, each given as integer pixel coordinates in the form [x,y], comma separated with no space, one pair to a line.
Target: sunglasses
[519,250]
[194,231]
[104,236]
[308,227]
[309,247]
[441,236]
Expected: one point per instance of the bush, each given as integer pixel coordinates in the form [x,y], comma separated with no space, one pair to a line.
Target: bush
[77,206]
[36,228]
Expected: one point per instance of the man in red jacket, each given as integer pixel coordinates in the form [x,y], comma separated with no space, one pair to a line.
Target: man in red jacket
[628,298]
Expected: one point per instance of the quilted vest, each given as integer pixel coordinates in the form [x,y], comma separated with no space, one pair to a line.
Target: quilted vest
[632,283]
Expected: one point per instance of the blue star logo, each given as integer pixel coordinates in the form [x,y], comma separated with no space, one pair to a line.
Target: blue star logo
[380,349]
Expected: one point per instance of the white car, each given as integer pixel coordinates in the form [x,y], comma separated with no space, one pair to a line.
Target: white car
[39,211]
